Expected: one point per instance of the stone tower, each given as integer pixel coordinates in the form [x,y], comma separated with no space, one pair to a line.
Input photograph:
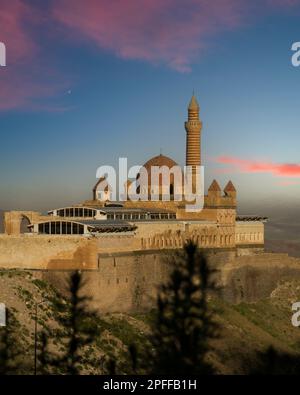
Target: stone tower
[193,136]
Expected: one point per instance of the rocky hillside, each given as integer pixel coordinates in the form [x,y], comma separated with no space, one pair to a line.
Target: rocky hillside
[245,328]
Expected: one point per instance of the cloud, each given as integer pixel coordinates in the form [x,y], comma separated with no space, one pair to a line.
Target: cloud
[174,33]
[14,15]
[250,166]
[22,90]
[170,32]
[25,81]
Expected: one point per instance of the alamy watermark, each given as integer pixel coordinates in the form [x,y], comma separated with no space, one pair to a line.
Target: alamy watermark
[2,315]
[2,55]
[160,183]
[296,56]
[296,315]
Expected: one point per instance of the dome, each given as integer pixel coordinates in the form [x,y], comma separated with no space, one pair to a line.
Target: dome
[164,187]
[160,160]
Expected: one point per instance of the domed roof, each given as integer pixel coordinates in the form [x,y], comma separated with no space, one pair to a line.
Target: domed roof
[160,160]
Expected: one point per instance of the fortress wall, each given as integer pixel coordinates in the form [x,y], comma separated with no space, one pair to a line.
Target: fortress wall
[249,233]
[118,243]
[173,234]
[33,251]
[123,282]
[128,282]
[42,252]
[148,229]
[207,214]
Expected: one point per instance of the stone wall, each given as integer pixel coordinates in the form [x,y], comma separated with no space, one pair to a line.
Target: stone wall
[44,252]
[13,220]
[122,283]
[128,282]
[33,251]
[249,233]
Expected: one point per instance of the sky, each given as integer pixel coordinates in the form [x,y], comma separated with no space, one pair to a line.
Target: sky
[89,81]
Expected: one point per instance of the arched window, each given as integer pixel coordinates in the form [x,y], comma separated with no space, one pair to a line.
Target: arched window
[61,228]
[77,212]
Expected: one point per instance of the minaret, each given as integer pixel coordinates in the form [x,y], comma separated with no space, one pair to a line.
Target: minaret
[193,135]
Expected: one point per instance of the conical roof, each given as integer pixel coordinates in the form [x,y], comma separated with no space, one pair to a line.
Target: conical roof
[214,186]
[230,187]
[193,103]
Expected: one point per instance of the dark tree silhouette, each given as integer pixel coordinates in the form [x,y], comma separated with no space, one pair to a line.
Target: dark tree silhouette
[111,366]
[134,357]
[78,328]
[184,324]
[43,356]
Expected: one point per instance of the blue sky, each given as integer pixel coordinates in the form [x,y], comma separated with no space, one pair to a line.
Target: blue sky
[77,101]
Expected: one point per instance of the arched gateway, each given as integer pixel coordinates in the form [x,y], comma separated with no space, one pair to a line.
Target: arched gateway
[17,222]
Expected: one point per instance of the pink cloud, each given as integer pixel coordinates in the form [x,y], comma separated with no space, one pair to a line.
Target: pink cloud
[250,166]
[21,89]
[14,15]
[24,82]
[171,32]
